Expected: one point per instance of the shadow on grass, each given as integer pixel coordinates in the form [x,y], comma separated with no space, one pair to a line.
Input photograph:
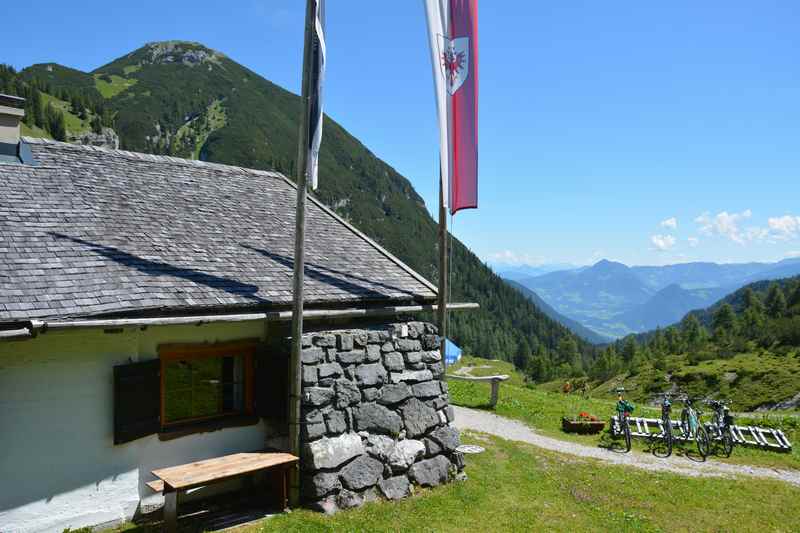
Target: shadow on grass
[611,443]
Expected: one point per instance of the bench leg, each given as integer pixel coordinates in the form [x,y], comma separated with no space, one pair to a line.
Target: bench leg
[171,511]
[495,392]
[279,486]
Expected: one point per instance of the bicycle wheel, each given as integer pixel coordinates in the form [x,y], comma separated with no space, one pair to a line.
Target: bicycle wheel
[627,430]
[668,438]
[727,442]
[701,439]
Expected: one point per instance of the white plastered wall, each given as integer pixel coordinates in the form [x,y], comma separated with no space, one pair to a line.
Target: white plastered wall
[59,466]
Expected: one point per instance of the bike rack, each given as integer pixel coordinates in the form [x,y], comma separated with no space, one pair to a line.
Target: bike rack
[768,438]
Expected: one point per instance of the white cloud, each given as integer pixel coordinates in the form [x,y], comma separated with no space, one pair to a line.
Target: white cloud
[726,224]
[792,254]
[693,241]
[510,257]
[785,227]
[663,242]
[671,223]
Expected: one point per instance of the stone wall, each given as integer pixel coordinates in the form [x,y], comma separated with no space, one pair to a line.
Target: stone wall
[376,415]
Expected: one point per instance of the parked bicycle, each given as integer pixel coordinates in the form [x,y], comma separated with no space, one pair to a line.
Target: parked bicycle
[666,424]
[692,428]
[720,427]
[624,409]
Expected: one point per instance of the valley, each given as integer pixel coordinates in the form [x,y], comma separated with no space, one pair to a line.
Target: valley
[615,300]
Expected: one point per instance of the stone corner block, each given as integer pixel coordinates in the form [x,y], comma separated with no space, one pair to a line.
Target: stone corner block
[332,452]
[430,472]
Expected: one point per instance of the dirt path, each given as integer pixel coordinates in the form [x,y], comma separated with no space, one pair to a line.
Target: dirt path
[512,430]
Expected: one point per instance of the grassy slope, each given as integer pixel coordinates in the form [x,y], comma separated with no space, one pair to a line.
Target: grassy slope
[543,409]
[33,131]
[748,379]
[517,487]
[111,86]
[74,123]
[195,133]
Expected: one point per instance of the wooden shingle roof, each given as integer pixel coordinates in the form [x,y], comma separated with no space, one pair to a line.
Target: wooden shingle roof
[91,231]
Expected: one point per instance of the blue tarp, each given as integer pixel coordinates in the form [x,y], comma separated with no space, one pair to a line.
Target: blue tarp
[452,352]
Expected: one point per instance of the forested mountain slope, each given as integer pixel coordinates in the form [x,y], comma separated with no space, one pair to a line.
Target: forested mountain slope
[186,100]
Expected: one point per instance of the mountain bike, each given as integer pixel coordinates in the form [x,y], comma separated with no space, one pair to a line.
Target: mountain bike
[624,410]
[692,428]
[720,427]
[666,423]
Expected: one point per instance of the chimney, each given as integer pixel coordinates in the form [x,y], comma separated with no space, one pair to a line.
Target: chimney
[11,113]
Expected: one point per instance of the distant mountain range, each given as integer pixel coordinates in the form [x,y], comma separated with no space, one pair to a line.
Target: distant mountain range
[528,271]
[614,300]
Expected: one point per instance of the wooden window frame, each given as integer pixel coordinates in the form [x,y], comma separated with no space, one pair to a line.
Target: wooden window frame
[187,351]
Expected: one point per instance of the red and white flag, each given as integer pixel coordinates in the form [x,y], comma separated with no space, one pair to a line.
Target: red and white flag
[453,38]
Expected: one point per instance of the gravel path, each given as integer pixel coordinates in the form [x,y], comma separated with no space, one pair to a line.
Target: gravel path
[512,430]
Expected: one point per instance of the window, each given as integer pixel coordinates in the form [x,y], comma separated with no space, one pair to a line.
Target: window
[203,382]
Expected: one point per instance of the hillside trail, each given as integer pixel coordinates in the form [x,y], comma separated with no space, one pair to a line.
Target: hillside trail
[486,422]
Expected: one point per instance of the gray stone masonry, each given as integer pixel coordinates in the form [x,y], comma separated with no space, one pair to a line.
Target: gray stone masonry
[376,415]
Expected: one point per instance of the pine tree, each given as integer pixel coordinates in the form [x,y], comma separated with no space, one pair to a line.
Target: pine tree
[724,319]
[752,300]
[56,124]
[607,365]
[793,298]
[776,302]
[754,315]
[97,124]
[38,112]
[674,341]
[522,355]
[658,344]
[694,334]
[629,349]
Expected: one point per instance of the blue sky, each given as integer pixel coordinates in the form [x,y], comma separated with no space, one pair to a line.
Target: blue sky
[644,133]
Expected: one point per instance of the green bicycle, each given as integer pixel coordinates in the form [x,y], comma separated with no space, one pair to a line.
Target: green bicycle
[624,409]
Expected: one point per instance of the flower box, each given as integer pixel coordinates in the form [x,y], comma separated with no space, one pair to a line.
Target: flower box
[586,427]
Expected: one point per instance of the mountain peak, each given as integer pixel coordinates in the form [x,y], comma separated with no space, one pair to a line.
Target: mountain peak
[188,53]
[605,265]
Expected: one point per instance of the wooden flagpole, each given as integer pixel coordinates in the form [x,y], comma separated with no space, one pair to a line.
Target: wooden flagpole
[295,384]
[442,273]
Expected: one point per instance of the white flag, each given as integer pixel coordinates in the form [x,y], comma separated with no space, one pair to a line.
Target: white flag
[317,77]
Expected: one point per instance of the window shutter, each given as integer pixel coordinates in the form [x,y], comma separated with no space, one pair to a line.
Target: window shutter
[137,400]
[272,380]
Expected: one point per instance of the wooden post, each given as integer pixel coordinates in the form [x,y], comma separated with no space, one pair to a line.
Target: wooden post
[295,385]
[495,392]
[442,273]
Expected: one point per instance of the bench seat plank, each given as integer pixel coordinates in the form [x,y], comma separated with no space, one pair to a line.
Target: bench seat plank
[199,473]
[157,485]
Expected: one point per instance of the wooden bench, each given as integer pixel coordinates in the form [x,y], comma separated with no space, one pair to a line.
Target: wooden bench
[176,480]
[495,381]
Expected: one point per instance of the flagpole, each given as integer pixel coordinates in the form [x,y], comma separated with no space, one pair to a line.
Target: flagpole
[295,385]
[442,310]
